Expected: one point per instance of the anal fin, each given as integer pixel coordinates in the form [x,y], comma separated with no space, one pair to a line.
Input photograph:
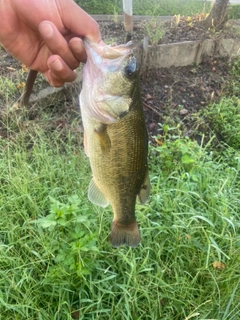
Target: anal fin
[96,196]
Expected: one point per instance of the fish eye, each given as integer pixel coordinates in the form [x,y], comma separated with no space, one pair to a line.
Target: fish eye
[130,68]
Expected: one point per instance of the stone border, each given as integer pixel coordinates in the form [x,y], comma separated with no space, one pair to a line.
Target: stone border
[103,17]
[186,53]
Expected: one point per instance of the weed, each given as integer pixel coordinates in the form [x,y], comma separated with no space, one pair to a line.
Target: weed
[155,30]
[231,87]
[175,21]
[7,87]
[115,15]
[175,153]
[235,68]
[225,119]
[74,245]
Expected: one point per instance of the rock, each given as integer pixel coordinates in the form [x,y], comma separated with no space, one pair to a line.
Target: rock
[183,111]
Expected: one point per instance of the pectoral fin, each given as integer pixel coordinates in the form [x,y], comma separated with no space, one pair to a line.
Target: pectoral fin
[103,137]
[96,196]
[145,189]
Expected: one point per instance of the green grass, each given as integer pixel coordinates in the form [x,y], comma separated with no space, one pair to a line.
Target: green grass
[234,11]
[8,89]
[145,7]
[225,120]
[154,7]
[55,258]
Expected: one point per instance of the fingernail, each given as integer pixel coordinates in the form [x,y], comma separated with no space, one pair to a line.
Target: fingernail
[78,46]
[57,65]
[47,30]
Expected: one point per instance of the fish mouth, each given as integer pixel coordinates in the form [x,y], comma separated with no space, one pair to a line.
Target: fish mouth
[102,60]
[109,57]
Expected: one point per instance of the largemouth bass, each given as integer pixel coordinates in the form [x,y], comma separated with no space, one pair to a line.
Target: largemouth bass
[115,136]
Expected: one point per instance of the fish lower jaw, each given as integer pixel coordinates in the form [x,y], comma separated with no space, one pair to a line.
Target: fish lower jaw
[122,234]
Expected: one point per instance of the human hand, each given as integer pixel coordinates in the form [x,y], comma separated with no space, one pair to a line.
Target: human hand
[46,35]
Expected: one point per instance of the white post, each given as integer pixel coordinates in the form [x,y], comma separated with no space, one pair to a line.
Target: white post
[144,55]
[127,12]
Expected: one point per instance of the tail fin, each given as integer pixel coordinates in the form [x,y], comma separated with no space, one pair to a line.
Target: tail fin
[125,234]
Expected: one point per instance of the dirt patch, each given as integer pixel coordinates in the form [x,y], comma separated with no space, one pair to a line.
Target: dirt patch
[174,95]
[169,95]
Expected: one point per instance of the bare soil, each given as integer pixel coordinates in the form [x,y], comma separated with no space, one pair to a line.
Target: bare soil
[172,95]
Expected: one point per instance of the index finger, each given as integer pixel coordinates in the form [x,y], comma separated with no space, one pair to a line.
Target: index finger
[56,43]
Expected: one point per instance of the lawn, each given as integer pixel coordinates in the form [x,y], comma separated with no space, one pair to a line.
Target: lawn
[154,7]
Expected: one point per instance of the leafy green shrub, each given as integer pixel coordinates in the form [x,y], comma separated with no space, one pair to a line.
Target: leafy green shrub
[75,245]
[225,120]
[175,153]
[155,30]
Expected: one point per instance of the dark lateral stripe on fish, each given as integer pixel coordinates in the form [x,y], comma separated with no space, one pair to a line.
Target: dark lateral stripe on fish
[125,235]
